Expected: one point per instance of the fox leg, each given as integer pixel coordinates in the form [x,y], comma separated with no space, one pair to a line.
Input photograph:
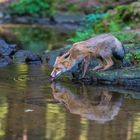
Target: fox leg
[86,64]
[100,66]
[105,98]
[109,63]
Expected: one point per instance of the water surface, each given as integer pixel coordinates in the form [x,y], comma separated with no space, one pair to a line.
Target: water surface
[32,108]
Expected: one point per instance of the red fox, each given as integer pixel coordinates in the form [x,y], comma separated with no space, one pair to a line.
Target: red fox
[102,47]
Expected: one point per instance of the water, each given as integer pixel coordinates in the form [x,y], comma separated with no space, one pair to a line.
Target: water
[32,108]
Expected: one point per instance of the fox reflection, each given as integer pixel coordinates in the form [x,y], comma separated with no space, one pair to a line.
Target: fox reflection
[91,103]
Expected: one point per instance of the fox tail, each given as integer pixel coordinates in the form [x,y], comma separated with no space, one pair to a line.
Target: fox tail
[119,52]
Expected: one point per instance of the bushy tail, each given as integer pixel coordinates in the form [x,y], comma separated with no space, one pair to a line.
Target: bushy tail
[119,52]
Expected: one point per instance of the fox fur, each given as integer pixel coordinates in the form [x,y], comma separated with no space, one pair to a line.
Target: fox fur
[102,47]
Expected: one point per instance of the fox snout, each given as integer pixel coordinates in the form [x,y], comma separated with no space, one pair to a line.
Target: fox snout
[55,74]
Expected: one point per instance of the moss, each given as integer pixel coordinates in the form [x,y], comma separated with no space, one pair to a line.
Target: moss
[128,56]
[133,57]
[82,35]
[127,37]
[35,8]
[119,18]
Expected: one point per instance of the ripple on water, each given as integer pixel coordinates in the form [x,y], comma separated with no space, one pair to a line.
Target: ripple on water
[21,76]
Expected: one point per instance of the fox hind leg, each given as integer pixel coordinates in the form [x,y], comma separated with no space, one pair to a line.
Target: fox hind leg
[100,66]
[86,64]
[109,63]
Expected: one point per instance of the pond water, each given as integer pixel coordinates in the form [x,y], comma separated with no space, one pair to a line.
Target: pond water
[32,108]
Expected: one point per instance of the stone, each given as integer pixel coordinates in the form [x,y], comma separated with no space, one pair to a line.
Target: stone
[6,49]
[61,18]
[4,61]
[26,56]
[1,15]
[24,20]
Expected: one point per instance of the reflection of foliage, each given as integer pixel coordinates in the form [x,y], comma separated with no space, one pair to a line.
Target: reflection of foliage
[35,39]
[55,130]
[3,111]
[136,126]
[21,81]
[32,8]
[31,38]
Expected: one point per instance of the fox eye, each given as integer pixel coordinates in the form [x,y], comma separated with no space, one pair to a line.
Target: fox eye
[56,91]
[57,68]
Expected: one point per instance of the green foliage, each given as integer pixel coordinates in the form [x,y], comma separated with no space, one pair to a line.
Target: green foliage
[108,24]
[113,21]
[137,56]
[114,27]
[73,8]
[94,17]
[119,18]
[126,37]
[34,39]
[133,56]
[31,8]
[82,35]
[128,56]
[88,30]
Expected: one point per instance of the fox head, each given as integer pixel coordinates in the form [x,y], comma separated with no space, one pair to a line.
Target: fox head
[61,65]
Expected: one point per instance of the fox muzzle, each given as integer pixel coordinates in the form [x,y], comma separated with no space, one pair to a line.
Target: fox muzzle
[55,74]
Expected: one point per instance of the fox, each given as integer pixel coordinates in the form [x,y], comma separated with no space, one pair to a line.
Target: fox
[101,47]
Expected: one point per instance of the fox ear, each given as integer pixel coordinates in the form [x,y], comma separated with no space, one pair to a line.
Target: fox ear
[66,63]
[57,60]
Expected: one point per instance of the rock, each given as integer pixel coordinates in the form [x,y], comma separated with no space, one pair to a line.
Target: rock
[62,18]
[7,16]
[24,20]
[127,77]
[4,61]
[42,21]
[1,15]
[6,49]
[26,56]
